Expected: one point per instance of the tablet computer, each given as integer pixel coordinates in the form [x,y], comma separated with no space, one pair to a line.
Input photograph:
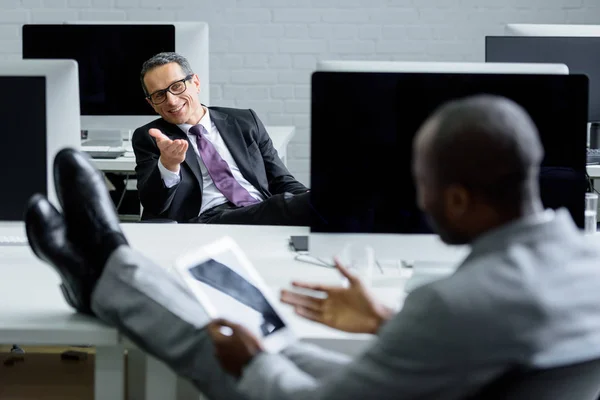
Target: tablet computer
[228,286]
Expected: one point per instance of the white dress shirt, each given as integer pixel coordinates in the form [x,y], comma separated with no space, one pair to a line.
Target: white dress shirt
[211,196]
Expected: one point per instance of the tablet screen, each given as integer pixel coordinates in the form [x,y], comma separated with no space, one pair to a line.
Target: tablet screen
[222,278]
[235,296]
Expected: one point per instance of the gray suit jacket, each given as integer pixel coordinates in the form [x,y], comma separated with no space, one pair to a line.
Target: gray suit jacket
[527,295]
[249,144]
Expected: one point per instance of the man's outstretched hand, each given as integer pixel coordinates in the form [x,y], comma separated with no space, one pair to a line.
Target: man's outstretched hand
[235,348]
[172,152]
[350,309]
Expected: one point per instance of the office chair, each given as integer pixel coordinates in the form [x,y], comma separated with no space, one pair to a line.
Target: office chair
[574,382]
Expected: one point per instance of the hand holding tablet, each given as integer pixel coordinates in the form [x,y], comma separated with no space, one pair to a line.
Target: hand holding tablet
[235,346]
[224,281]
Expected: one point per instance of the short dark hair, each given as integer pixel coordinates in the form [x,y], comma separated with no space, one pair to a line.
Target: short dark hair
[162,59]
[490,145]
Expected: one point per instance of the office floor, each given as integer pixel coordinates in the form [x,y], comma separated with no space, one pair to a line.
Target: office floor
[41,374]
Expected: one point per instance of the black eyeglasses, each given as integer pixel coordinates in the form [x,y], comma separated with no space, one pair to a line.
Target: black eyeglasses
[174,88]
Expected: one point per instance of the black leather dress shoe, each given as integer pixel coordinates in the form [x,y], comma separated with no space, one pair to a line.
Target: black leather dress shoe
[47,235]
[90,215]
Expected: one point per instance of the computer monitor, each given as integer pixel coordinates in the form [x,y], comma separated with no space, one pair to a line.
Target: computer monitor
[580,54]
[441,67]
[40,115]
[362,129]
[562,30]
[110,57]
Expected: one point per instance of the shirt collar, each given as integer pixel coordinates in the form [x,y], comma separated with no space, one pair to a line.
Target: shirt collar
[205,121]
[548,223]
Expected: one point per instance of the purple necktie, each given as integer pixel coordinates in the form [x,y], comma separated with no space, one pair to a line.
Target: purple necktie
[219,170]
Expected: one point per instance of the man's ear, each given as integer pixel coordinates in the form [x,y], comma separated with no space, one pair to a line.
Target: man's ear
[457,200]
[196,81]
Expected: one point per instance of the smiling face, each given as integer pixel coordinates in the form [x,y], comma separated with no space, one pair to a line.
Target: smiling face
[184,108]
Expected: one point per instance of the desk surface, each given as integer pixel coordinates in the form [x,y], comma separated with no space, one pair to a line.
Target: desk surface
[33,311]
[593,171]
[280,135]
[267,248]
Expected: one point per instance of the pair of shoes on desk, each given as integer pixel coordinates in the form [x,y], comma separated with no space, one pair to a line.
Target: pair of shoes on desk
[78,241]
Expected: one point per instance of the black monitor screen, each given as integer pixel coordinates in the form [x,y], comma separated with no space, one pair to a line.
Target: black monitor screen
[23,163]
[110,59]
[580,54]
[363,125]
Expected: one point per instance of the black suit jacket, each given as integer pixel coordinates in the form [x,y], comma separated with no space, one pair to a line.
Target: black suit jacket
[249,144]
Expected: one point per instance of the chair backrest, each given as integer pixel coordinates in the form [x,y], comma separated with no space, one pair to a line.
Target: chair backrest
[574,382]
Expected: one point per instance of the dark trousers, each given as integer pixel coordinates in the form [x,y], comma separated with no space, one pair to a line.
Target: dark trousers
[281,209]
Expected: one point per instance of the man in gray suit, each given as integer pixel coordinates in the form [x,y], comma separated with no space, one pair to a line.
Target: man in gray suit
[526,296]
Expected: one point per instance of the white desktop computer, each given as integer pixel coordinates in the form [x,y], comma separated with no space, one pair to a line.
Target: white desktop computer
[567,31]
[577,46]
[110,57]
[362,189]
[40,116]
[391,247]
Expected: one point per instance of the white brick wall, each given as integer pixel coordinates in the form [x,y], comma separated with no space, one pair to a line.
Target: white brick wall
[263,51]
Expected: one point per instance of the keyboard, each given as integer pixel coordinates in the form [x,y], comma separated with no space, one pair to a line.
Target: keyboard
[593,156]
[10,240]
[104,151]
[99,142]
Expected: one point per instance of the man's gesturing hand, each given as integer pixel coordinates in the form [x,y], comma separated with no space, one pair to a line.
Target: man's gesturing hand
[172,152]
[350,309]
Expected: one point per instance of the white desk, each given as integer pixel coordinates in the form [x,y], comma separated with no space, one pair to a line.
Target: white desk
[33,311]
[280,135]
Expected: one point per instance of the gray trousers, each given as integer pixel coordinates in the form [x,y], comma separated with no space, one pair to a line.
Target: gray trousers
[148,304]
[155,311]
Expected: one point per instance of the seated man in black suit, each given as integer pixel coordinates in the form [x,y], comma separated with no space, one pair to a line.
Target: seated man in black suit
[208,164]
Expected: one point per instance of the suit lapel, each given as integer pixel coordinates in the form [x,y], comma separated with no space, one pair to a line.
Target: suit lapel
[234,140]
[191,159]
[172,130]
